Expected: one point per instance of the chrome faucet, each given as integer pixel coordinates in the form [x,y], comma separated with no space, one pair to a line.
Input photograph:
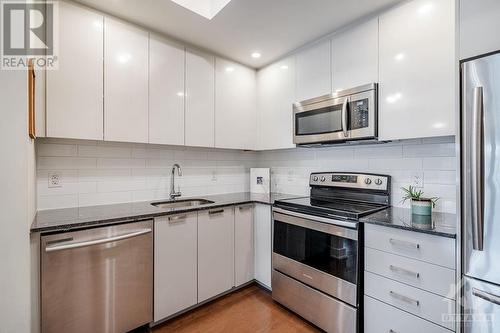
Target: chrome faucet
[174,194]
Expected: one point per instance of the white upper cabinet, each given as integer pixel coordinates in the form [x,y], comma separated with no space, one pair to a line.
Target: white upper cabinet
[355,56]
[75,90]
[313,71]
[200,99]
[166,92]
[417,70]
[125,82]
[276,94]
[236,106]
[479,19]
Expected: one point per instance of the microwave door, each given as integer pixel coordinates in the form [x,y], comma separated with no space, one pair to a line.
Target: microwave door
[323,121]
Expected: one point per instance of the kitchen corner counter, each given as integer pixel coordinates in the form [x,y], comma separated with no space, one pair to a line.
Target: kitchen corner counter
[439,224]
[80,217]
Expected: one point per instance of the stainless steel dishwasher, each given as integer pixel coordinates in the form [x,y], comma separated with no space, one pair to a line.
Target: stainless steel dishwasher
[97,280]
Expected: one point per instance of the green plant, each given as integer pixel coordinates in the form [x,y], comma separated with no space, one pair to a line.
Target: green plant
[411,193]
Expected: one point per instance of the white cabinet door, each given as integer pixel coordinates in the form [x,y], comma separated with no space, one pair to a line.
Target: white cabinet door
[355,56]
[235,106]
[166,92]
[276,94]
[478,19]
[175,270]
[313,71]
[243,244]
[200,99]
[417,70]
[125,82]
[75,89]
[215,252]
[263,244]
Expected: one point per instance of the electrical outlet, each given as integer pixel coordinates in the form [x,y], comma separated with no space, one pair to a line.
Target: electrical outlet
[214,175]
[54,179]
[417,179]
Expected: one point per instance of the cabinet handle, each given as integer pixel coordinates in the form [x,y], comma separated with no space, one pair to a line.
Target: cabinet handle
[399,242]
[404,271]
[213,212]
[404,298]
[176,218]
[241,208]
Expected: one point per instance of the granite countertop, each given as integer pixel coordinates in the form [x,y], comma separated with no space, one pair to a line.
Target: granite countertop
[73,218]
[439,224]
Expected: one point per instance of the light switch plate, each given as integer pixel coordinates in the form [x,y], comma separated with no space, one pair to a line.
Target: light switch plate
[417,179]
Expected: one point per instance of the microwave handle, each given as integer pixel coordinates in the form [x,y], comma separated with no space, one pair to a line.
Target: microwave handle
[344,116]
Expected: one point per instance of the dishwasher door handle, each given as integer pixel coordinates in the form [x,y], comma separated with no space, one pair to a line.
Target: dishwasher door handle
[59,247]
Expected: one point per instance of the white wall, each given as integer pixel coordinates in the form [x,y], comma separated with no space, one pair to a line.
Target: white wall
[17,204]
[433,158]
[96,173]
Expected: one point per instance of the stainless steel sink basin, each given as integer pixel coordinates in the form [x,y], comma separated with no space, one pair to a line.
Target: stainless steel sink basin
[182,203]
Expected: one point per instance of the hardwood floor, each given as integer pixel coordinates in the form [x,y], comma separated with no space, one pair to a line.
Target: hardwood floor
[247,310]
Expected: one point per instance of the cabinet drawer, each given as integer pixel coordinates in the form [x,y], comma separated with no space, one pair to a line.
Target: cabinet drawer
[377,320]
[433,249]
[416,301]
[433,278]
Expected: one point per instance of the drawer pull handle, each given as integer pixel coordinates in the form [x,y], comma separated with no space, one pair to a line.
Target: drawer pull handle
[404,298]
[307,276]
[176,218]
[399,242]
[404,271]
[218,211]
[486,296]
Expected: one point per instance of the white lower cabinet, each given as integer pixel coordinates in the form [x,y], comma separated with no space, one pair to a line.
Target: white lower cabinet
[175,270]
[243,244]
[263,244]
[215,252]
[383,318]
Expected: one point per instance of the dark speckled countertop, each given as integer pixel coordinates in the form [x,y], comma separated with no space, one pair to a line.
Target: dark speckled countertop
[439,224]
[79,217]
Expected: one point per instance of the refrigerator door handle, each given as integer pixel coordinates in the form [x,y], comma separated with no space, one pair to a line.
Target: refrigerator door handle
[477,170]
[486,296]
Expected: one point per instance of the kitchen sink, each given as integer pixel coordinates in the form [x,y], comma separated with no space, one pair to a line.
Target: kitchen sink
[182,203]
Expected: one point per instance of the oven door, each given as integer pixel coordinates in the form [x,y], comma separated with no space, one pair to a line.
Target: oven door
[321,119]
[321,255]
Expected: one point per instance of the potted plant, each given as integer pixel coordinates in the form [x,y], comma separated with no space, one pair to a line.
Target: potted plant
[419,204]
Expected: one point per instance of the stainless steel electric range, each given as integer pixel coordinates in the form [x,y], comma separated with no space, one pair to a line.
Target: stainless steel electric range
[318,250]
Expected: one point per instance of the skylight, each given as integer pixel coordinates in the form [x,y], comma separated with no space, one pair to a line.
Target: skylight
[206,8]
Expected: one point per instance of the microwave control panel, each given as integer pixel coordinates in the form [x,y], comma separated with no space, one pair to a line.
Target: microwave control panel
[359,113]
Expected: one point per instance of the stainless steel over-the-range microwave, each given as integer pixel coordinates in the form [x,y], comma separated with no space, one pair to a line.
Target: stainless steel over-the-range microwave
[346,115]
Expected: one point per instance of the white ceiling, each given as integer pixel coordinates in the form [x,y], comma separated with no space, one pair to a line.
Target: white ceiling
[271,27]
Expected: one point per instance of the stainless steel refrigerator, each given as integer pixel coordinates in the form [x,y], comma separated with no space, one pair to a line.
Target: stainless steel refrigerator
[480,157]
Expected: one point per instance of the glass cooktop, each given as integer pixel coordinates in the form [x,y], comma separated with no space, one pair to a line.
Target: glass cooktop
[330,208]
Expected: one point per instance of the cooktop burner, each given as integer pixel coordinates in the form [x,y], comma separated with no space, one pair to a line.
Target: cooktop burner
[342,195]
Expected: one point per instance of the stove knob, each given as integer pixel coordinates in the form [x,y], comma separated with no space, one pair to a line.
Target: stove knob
[315,178]
[323,178]
[368,181]
[378,181]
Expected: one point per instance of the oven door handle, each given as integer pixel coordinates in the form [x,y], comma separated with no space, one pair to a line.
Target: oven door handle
[340,223]
[312,222]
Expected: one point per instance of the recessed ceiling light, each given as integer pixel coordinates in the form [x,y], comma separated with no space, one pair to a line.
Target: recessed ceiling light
[399,56]
[180,94]
[229,69]
[256,55]
[284,67]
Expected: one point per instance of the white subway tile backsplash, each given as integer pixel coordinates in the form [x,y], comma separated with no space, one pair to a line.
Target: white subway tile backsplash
[96,173]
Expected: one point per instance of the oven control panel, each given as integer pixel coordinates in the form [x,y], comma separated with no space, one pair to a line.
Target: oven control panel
[352,180]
